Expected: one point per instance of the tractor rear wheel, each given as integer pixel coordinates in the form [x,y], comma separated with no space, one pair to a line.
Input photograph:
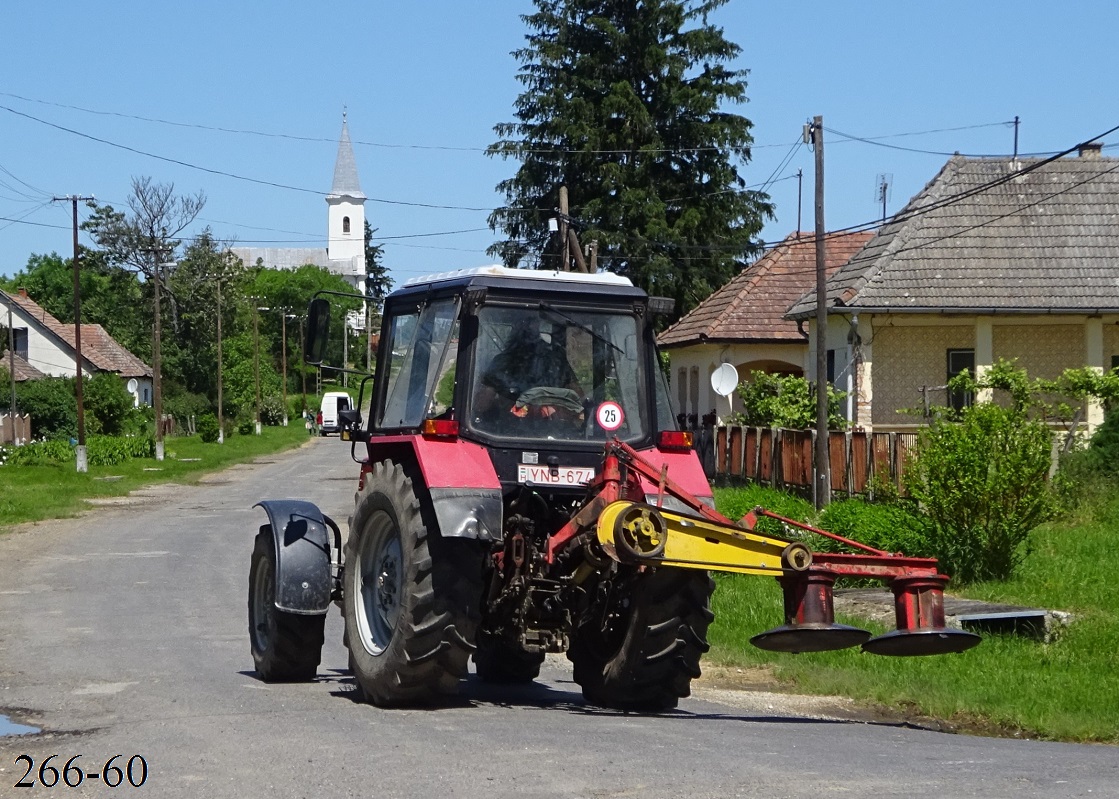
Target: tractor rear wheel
[286,647]
[501,661]
[412,598]
[649,651]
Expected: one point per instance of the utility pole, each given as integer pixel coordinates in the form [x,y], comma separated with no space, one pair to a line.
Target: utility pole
[284,357]
[12,371]
[256,361]
[221,419]
[80,453]
[823,462]
[565,245]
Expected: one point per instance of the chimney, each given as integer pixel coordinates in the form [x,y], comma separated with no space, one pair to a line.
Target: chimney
[23,293]
[1091,149]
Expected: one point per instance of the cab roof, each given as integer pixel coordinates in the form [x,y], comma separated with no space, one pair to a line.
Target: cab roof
[504,279]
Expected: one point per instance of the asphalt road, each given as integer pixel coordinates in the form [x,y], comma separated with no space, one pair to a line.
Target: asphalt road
[124,633]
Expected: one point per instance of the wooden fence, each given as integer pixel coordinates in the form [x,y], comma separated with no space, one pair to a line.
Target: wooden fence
[15,429]
[785,458]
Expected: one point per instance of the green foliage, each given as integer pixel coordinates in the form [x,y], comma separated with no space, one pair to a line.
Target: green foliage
[272,410]
[45,452]
[787,401]
[889,527]
[628,106]
[107,404]
[113,450]
[983,483]
[208,427]
[246,425]
[734,503]
[51,403]
[183,404]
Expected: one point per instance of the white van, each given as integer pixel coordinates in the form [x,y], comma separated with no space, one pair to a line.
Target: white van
[332,403]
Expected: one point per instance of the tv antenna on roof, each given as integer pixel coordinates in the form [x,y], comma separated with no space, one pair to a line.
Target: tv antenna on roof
[883,184]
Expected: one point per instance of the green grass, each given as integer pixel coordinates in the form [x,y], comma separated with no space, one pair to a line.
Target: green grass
[1067,689]
[34,493]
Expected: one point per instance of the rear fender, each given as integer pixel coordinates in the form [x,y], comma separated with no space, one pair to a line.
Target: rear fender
[299,530]
[459,478]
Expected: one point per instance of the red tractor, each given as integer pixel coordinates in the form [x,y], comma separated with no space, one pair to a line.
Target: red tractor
[524,489]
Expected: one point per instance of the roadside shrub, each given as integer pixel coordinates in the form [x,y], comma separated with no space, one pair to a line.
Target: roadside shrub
[246,425]
[44,452]
[272,410]
[113,450]
[208,428]
[52,405]
[983,484]
[890,527]
[107,404]
[184,404]
[734,503]
[770,400]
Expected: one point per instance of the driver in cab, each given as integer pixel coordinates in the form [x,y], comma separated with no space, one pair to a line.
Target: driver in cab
[530,378]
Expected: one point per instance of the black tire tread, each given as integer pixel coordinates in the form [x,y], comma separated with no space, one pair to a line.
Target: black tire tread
[296,646]
[431,646]
[665,636]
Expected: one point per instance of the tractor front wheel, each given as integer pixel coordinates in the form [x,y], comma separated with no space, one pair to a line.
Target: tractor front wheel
[286,647]
[412,598]
[646,652]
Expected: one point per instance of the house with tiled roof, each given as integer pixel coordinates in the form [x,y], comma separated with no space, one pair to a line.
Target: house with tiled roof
[48,347]
[996,258]
[743,323]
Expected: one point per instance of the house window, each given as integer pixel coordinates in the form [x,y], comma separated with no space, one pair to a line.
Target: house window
[345,224]
[1115,361]
[831,366]
[959,361]
[682,390]
[19,340]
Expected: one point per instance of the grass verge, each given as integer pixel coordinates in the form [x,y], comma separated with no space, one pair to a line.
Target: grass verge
[1067,689]
[35,493]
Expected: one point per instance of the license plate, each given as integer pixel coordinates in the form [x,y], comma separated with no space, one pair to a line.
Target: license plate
[563,476]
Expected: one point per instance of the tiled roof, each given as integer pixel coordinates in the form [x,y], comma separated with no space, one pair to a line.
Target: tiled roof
[1044,237]
[751,307]
[23,370]
[98,347]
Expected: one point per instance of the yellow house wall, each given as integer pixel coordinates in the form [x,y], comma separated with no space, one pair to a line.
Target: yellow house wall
[906,358]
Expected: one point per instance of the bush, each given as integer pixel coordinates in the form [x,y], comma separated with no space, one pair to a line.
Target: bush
[734,503]
[45,452]
[183,405]
[272,410]
[113,450]
[208,428]
[983,483]
[51,403]
[107,404]
[770,400]
[889,527]
[246,425]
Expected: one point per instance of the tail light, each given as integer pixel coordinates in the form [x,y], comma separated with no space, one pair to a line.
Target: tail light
[440,428]
[674,440]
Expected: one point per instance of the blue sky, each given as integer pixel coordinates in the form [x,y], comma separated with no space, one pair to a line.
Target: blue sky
[424,83]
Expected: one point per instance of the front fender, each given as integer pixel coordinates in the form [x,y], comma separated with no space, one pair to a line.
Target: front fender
[299,530]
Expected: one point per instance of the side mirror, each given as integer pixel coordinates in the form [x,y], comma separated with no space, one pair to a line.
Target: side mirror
[318,331]
[349,422]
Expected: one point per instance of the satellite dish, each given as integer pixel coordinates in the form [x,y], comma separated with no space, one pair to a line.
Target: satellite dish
[132,385]
[724,380]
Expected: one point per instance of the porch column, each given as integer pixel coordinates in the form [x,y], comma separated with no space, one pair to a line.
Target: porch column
[984,354]
[1093,357]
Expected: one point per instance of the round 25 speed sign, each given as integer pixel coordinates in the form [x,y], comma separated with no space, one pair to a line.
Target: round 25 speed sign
[609,416]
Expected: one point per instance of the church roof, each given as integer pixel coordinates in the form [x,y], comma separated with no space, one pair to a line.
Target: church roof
[346,183]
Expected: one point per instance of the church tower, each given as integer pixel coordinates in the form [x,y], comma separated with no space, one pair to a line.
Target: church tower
[346,216]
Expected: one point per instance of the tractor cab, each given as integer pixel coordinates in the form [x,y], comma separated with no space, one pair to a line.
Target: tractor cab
[540,368]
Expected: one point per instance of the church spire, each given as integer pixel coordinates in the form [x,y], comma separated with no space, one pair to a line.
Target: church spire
[346,183]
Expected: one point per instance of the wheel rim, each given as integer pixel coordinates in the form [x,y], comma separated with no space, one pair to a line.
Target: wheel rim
[264,620]
[379,583]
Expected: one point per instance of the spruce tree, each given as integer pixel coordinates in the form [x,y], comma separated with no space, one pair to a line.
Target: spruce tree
[626,104]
